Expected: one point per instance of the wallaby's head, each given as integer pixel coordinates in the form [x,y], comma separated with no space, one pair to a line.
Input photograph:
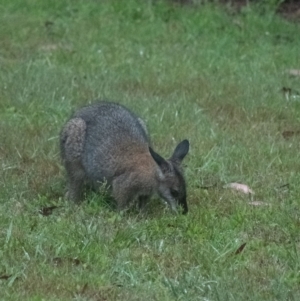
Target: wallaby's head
[172,186]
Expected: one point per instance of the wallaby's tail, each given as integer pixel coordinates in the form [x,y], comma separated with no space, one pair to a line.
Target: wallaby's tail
[72,139]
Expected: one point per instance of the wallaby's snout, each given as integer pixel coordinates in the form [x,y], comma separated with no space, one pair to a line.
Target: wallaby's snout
[107,142]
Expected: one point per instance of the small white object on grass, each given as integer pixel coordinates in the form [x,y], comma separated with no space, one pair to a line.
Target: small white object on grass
[294,72]
[258,203]
[240,187]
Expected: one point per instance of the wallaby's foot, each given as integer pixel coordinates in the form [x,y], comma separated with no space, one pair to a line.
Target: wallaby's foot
[173,207]
[122,203]
[71,197]
[143,203]
[74,191]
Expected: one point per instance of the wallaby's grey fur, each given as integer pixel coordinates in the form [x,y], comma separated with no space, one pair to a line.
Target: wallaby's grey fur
[107,142]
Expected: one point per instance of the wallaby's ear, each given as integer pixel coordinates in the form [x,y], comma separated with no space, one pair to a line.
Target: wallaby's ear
[181,151]
[161,162]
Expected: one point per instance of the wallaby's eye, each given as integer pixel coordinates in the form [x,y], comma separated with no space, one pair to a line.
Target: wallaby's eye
[174,193]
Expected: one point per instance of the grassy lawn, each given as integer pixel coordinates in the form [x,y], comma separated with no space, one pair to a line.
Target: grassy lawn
[215,77]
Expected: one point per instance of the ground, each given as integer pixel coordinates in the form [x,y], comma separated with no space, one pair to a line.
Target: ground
[226,79]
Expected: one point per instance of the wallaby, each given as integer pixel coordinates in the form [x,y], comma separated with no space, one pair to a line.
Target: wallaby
[107,142]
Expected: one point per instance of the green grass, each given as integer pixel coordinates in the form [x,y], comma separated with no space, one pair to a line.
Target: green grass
[203,73]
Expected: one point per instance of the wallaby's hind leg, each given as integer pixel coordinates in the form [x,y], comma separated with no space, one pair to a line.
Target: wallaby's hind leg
[76,177]
[72,144]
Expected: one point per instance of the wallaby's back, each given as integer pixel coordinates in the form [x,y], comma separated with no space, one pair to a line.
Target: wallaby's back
[113,136]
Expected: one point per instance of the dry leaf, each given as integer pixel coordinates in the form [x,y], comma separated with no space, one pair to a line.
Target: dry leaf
[288,134]
[45,211]
[258,203]
[240,187]
[286,185]
[240,249]
[58,261]
[5,277]
[290,94]
[294,72]
[49,47]
[48,23]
